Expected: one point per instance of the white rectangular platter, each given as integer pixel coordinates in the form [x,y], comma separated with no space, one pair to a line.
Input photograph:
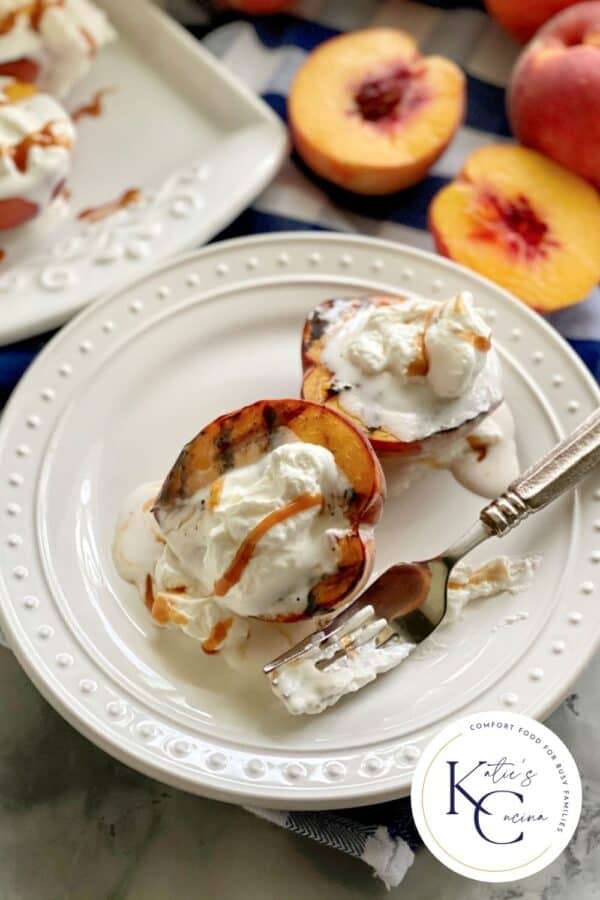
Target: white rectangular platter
[197,144]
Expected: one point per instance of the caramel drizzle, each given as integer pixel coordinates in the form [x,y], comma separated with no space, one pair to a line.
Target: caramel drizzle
[213,642]
[214,496]
[149,593]
[97,213]
[45,137]
[159,606]
[420,364]
[34,12]
[478,341]
[89,39]
[479,447]
[95,107]
[244,554]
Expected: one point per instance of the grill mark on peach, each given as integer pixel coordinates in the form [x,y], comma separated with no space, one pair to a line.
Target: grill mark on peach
[219,632]
[245,551]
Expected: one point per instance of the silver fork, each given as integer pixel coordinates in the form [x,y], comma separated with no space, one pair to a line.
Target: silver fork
[409,600]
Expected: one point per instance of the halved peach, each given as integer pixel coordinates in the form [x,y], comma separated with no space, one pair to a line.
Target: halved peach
[371,114]
[525,222]
[320,386]
[243,437]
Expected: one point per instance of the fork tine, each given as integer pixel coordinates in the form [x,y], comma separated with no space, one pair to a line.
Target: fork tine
[352,641]
[315,643]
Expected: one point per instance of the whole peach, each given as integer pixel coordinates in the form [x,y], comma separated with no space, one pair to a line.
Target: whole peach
[554,94]
[522,18]
[257,7]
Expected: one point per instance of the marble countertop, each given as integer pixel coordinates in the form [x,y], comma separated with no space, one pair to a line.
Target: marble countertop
[77,825]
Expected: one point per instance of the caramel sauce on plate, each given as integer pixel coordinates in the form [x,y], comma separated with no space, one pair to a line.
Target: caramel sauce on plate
[97,213]
[479,447]
[213,642]
[95,107]
[246,549]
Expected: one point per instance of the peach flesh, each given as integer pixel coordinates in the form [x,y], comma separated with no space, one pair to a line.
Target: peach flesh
[514,223]
[522,220]
[384,113]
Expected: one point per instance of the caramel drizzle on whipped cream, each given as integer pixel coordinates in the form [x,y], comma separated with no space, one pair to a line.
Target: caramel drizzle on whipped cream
[245,551]
[214,495]
[32,11]
[420,364]
[159,606]
[45,137]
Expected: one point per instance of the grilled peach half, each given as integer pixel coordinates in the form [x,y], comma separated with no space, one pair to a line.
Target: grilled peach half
[241,438]
[319,383]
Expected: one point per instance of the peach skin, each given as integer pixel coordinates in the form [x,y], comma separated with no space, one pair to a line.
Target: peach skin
[522,18]
[554,93]
[524,222]
[371,114]
[256,7]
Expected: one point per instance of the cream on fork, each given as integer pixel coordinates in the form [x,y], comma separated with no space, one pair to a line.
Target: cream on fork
[409,601]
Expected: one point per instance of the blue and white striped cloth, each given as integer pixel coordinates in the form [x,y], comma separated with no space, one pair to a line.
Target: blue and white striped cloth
[265,53]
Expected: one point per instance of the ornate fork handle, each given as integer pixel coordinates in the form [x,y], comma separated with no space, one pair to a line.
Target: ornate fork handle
[560,469]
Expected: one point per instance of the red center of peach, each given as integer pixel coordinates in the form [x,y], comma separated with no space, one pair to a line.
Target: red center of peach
[514,224]
[390,96]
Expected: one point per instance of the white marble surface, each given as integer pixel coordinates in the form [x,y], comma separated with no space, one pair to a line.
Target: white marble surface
[76,825]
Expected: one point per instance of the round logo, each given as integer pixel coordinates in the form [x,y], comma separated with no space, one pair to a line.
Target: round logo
[496,796]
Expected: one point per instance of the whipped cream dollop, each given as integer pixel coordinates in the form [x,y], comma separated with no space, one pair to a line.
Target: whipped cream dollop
[309,685]
[60,38]
[36,144]
[185,568]
[414,367]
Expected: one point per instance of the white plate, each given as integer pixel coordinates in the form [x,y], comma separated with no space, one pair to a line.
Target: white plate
[109,403]
[176,127]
